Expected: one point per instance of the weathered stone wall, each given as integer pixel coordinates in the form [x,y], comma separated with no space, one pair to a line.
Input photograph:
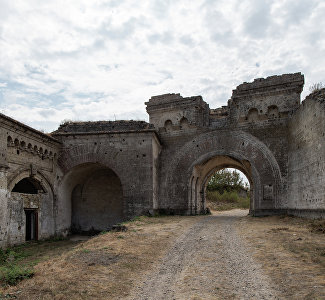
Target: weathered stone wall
[306,179]
[25,152]
[17,203]
[92,175]
[3,188]
[259,110]
[131,155]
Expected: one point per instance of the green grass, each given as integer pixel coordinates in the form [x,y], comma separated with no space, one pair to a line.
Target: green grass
[12,274]
[17,262]
[11,269]
[226,200]
[85,250]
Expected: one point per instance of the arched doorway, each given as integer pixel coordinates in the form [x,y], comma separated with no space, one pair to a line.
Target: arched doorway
[96,198]
[26,195]
[202,172]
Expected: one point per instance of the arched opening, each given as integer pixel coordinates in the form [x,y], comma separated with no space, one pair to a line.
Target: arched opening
[96,198]
[202,174]
[168,125]
[252,115]
[184,123]
[9,141]
[26,193]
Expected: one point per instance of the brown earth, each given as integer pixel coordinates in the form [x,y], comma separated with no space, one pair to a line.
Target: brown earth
[227,255]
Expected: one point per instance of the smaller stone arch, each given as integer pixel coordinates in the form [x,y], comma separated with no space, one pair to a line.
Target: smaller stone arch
[203,171]
[16,142]
[30,147]
[252,115]
[22,145]
[33,201]
[184,123]
[26,173]
[168,125]
[9,141]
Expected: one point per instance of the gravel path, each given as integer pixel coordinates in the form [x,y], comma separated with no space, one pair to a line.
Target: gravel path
[208,261]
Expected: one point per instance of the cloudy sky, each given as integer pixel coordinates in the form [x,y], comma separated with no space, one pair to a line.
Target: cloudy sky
[102,59]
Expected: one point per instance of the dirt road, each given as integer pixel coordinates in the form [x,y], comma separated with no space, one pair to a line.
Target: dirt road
[208,261]
[222,256]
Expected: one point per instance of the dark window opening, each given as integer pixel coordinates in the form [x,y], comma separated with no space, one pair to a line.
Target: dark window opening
[27,186]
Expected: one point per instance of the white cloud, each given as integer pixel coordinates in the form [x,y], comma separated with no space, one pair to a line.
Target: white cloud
[103,59]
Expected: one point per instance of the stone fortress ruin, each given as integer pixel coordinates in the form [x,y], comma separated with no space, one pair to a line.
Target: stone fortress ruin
[88,176]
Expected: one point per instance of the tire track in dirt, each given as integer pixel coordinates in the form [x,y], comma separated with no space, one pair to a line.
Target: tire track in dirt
[208,261]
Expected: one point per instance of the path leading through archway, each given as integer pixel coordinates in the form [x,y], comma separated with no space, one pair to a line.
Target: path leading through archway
[209,253]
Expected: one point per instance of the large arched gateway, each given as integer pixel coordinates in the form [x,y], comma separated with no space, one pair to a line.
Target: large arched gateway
[92,175]
[199,158]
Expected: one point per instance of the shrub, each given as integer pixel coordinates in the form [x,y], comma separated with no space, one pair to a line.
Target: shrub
[226,200]
[316,87]
[11,274]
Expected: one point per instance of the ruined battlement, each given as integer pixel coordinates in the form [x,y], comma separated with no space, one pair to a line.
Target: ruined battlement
[173,109]
[274,97]
[171,101]
[318,95]
[102,126]
[285,82]
[220,112]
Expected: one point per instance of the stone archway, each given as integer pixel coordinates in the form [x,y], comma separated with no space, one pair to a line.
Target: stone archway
[91,198]
[242,149]
[202,174]
[31,207]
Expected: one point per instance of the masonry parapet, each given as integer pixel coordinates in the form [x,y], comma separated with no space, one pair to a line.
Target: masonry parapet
[318,95]
[271,84]
[102,126]
[171,112]
[265,99]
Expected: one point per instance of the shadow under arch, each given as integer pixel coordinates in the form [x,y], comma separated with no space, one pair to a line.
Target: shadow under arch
[90,199]
[20,174]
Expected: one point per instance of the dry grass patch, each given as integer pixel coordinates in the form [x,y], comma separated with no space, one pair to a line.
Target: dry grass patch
[106,266]
[291,252]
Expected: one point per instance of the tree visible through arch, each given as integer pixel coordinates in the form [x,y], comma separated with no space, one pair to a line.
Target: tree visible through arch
[227,188]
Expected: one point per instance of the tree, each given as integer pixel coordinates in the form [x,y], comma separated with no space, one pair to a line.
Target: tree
[226,180]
